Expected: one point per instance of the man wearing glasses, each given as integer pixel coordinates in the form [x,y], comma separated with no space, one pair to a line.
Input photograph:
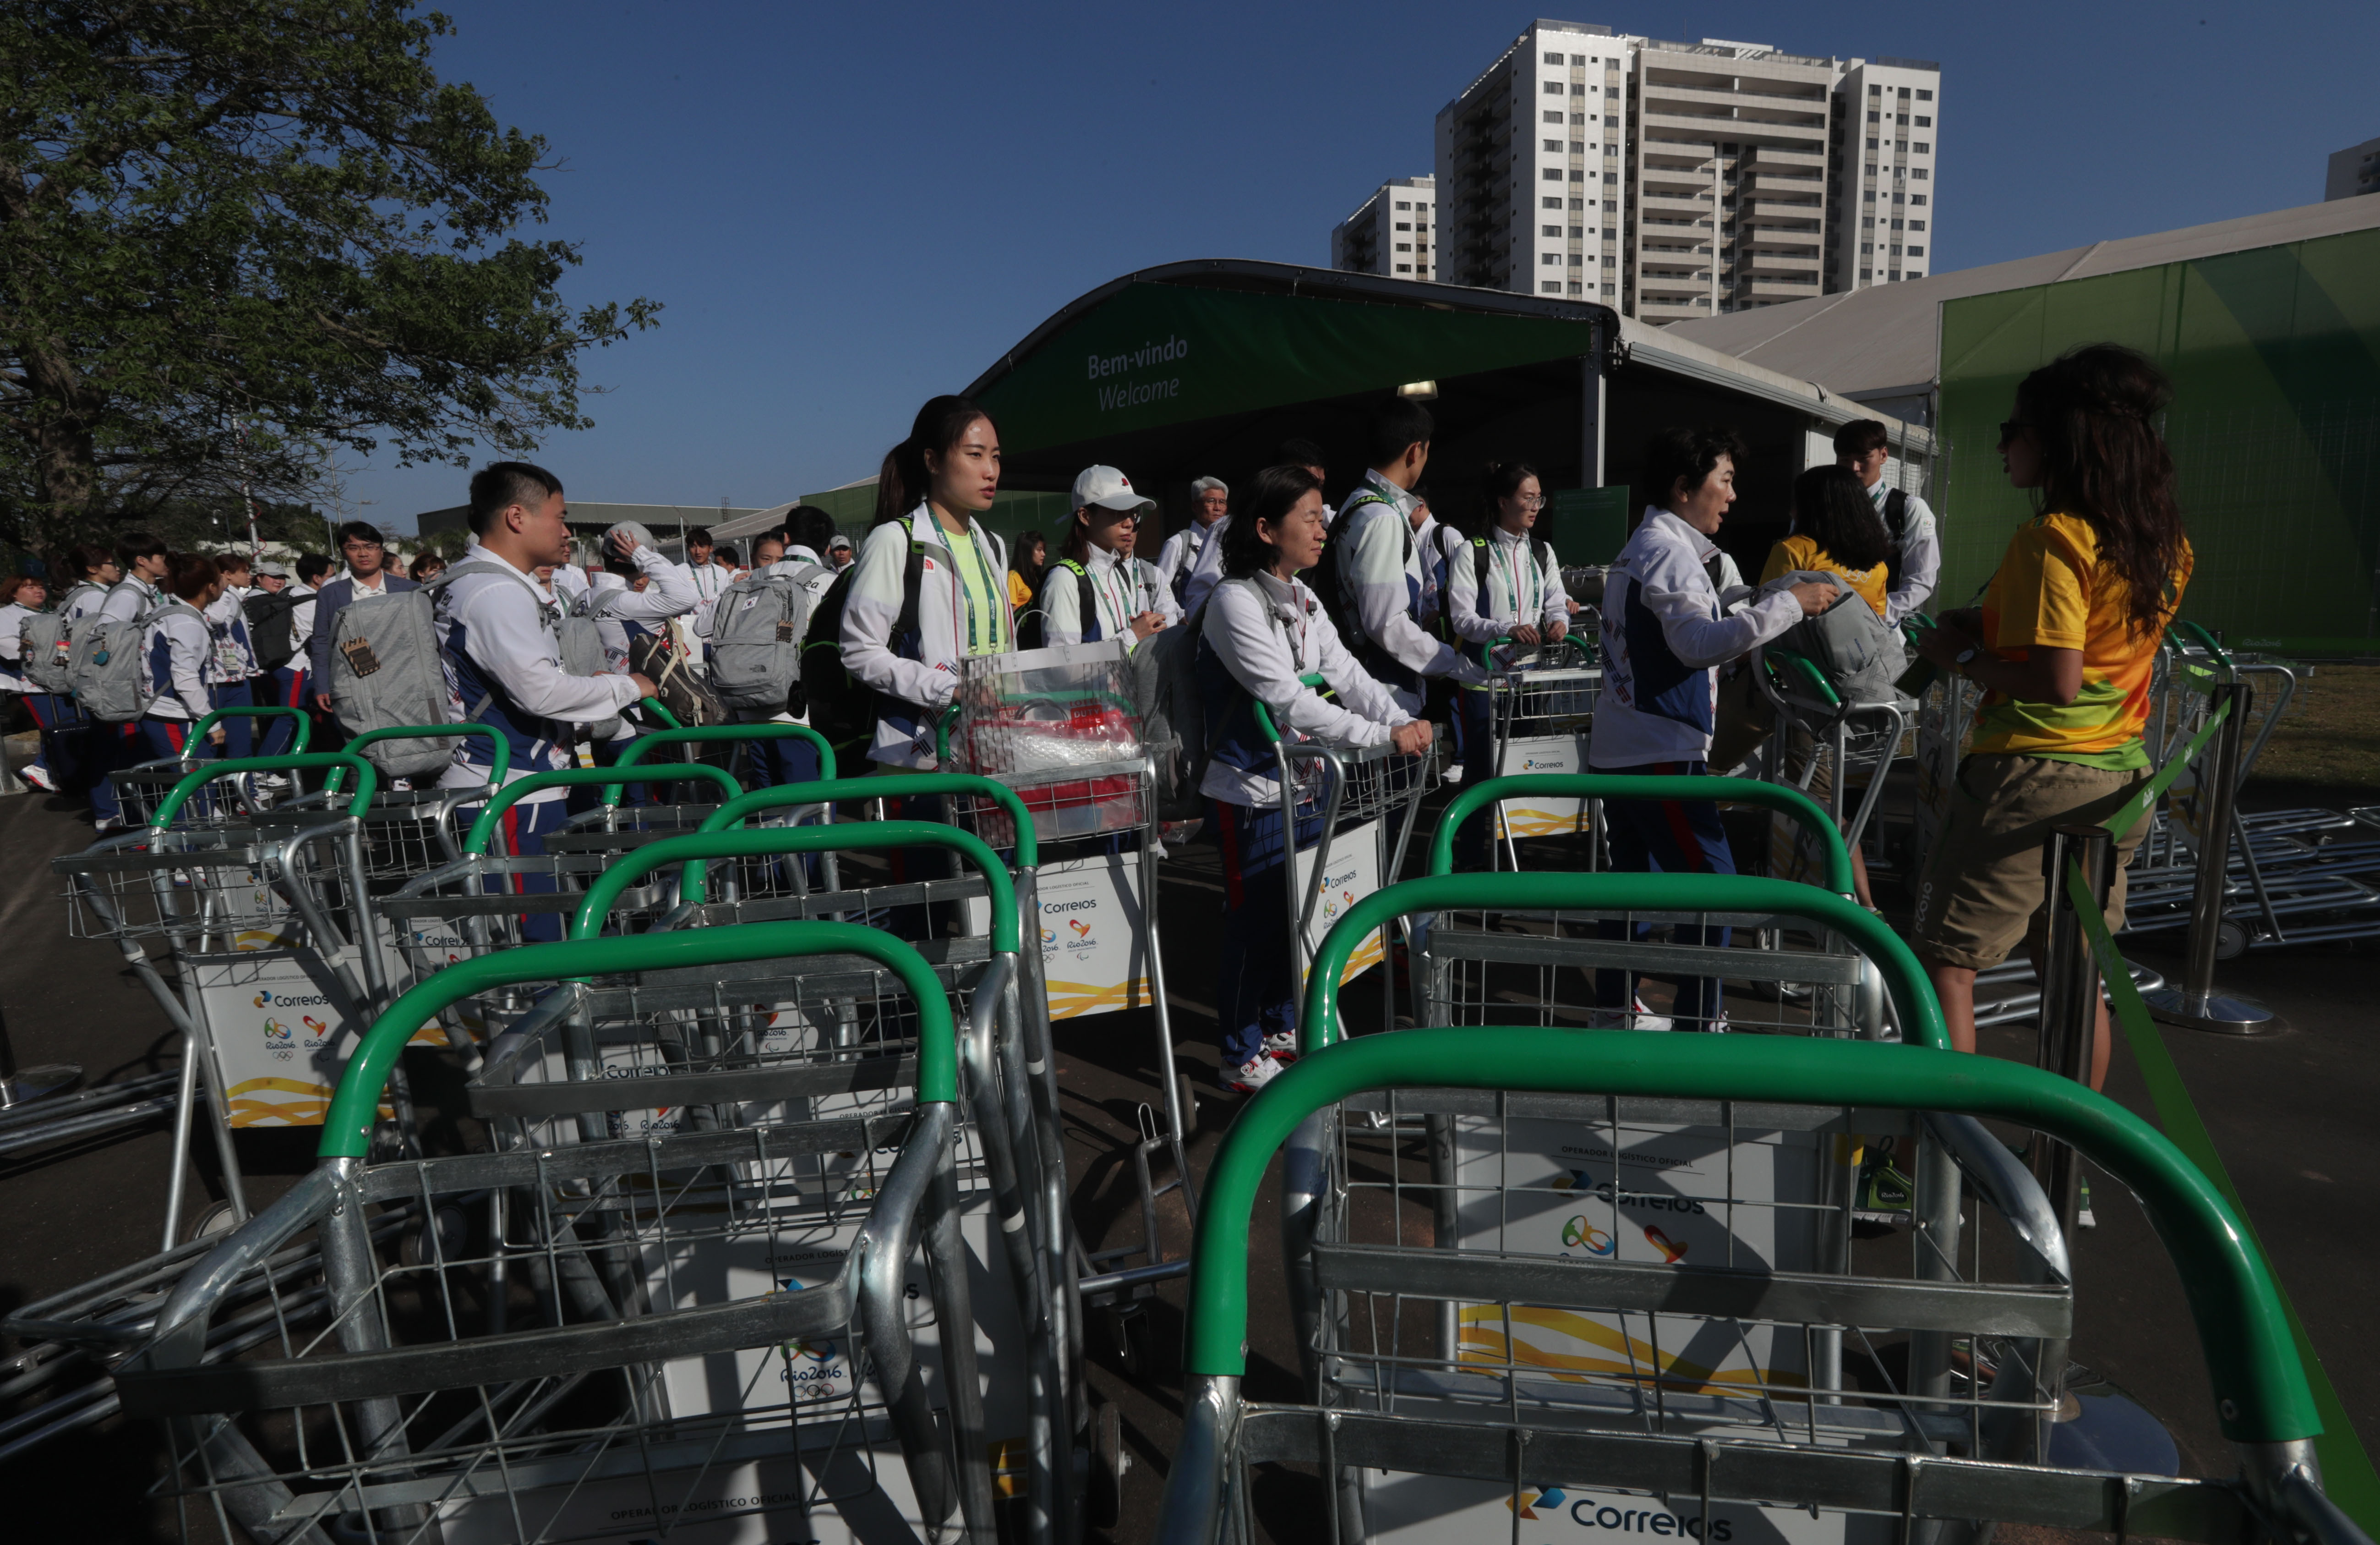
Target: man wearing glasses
[1916,563]
[366,575]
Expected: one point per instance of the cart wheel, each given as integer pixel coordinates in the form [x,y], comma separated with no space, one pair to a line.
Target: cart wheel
[215,1220]
[2230,941]
[1104,1504]
[414,1246]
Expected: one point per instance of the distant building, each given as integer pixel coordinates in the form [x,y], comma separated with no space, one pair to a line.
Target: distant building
[1391,233]
[2353,170]
[1675,180]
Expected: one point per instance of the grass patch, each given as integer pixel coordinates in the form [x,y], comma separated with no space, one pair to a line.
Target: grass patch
[2330,738]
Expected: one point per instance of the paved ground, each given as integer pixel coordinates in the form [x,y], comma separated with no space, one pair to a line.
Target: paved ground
[2293,1114]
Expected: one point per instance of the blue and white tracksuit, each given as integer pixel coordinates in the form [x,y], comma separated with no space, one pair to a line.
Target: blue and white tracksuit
[500,641]
[1381,571]
[177,655]
[1664,632]
[1259,636]
[235,669]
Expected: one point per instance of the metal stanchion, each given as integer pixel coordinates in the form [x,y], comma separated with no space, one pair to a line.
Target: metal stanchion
[2194,1005]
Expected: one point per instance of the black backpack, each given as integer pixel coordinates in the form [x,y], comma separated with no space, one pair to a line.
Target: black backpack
[1033,629]
[1339,600]
[1896,524]
[272,627]
[841,708]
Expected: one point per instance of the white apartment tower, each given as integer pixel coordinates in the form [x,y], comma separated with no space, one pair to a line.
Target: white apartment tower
[1394,232]
[1675,180]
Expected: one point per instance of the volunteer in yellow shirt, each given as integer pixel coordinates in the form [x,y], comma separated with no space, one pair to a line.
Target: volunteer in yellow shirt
[2063,645]
[1837,531]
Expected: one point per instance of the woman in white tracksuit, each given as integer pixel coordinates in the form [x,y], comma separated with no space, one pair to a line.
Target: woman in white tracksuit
[1263,629]
[930,492]
[1503,584]
[178,649]
[1095,591]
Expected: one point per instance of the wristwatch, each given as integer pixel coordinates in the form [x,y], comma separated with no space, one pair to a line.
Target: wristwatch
[1960,664]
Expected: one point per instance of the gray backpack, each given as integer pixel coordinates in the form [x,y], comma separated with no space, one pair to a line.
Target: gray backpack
[757,630]
[46,654]
[386,672]
[582,646]
[105,666]
[1849,643]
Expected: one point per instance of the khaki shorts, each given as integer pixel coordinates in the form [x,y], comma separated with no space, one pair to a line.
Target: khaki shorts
[1983,891]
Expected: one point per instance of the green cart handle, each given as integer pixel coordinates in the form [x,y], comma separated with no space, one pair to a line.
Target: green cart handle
[886,786]
[1914,623]
[346,1127]
[705,733]
[696,851]
[1264,714]
[499,755]
[367,779]
[2260,1387]
[259,710]
[1807,812]
[1915,1010]
[1808,677]
[2202,638]
[512,793]
[653,706]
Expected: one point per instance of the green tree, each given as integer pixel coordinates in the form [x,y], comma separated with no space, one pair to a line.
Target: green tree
[236,234]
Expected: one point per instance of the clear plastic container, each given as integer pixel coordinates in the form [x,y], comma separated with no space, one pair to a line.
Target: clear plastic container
[1033,718]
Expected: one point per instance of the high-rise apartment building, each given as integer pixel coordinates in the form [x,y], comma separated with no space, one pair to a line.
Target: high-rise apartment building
[1676,179]
[1394,232]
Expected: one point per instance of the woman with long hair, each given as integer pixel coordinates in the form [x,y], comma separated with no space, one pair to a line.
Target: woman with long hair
[1025,567]
[1503,582]
[929,493]
[1837,531]
[1095,591]
[1263,630]
[2063,645]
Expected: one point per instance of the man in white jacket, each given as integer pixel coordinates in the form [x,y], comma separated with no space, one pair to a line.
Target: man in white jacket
[500,639]
[1373,568]
[1664,631]
[1915,567]
[1211,503]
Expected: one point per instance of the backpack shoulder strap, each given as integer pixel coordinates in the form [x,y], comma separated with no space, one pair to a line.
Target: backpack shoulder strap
[1896,512]
[913,579]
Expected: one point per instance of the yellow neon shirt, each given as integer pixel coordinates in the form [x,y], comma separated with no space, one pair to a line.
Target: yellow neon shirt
[987,607]
[1803,554]
[2052,591]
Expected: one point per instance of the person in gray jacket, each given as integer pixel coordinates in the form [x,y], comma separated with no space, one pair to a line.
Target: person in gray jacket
[368,575]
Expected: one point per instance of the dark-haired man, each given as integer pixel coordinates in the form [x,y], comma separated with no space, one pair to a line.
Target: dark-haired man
[368,575]
[500,638]
[141,560]
[709,579]
[1916,567]
[1375,590]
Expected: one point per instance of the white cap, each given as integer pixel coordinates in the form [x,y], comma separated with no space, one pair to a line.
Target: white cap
[1109,489]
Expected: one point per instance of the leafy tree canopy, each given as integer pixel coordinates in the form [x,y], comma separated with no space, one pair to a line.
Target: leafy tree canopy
[237,235]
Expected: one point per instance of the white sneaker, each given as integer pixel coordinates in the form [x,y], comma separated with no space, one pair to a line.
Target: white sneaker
[1281,1046]
[1452,774]
[273,782]
[1638,1018]
[1250,1077]
[38,776]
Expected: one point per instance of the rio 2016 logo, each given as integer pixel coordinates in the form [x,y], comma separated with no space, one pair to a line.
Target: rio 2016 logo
[1580,1234]
[275,1032]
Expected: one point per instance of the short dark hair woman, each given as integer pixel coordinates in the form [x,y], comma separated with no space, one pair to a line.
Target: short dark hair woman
[2063,645]
[1837,531]
[1263,630]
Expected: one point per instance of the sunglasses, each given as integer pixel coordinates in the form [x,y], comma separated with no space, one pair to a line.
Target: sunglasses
[2009,428]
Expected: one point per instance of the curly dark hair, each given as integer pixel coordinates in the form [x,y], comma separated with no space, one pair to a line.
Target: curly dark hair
[2094,411]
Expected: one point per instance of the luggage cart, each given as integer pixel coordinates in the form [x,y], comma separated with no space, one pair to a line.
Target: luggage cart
[412,831]
[259,913]
[140,788]
[1542,707]
[614,827]
[1049,726]
[1845,741]
[1415,1444]
[1368,799]
[674,1334]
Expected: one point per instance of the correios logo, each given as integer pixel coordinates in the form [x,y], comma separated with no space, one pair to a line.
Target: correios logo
[1550,764]
[270,999]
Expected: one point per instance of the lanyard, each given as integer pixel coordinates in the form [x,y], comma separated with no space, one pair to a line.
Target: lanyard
[964,600]
[1512,575]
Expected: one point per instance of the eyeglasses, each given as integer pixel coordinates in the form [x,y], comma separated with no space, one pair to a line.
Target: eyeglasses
[1533,500]
[2009,428]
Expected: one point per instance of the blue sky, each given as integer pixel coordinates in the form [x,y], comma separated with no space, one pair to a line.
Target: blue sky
[845,209]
